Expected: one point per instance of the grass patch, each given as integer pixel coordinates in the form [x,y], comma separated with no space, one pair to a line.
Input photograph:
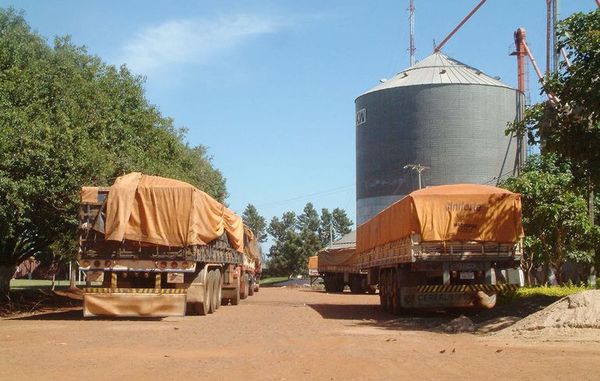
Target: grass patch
[553,291]
[33,284]
[273,280]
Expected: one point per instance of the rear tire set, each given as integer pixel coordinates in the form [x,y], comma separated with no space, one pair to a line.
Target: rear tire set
[251,287]
[245,283]
[212,292]
[389,291]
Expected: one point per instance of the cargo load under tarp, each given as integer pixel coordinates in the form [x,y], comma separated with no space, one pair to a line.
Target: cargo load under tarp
[340,256]
[166,212]
[462,212]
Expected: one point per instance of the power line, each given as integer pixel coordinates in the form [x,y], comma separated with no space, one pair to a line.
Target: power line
[305,196]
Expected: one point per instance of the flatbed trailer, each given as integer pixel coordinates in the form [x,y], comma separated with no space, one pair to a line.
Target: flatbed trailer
[339,267]
[444,247]
[140,277]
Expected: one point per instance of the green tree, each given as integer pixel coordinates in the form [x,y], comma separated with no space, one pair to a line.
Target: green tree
[326,227]
[309,219]
[285,240]
[66,120]
[255,222]
[569,124]
[342,224]
[554,214]
[297,238]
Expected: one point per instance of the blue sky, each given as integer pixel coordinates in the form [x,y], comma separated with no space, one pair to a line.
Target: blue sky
[269,86]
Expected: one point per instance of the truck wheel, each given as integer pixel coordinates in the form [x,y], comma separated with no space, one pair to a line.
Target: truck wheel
[251,287]
[395,294]
[214,274]
[219,289]
[355,285]
[244,287]
[340,284]
[210,288]
[236,295]
[382,291]
[329,283]
[202,308]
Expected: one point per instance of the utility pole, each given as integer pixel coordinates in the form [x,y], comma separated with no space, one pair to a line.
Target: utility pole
[419,169]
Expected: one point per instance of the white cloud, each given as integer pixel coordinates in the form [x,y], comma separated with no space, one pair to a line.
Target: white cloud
[192,41]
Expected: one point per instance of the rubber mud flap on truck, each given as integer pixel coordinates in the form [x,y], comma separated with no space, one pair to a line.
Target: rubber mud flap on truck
[412,297]
[132,304]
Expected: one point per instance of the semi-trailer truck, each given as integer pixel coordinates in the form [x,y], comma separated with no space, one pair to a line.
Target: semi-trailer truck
[152,246]
[339,267]
[444,246]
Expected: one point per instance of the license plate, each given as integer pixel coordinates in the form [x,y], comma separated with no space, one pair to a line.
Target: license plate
[467,275]
[94,276]
[174,277]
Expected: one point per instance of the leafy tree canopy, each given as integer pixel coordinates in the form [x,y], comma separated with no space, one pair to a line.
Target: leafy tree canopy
[555,216]
[298,237]
[68,119]
[570,125]
[255,222]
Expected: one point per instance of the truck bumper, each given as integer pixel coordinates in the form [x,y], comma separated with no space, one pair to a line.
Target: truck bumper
[448,296]
[134,302]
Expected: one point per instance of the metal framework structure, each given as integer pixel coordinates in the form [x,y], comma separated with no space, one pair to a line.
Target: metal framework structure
[411,22]
[467,17]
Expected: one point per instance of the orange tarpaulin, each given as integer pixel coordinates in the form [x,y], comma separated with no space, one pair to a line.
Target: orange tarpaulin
[337,257]
[313,262]
[461,212]
[89,195]
[167,212]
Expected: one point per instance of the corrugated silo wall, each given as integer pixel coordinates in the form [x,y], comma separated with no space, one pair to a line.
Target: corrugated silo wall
[456,130]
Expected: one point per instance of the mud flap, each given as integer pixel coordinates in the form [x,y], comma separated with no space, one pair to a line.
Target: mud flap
[128,304]
[411,297]
[485,300]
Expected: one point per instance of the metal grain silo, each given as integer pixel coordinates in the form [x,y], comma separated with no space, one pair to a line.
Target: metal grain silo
[439,113]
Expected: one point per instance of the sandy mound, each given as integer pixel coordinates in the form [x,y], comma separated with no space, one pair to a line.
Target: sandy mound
[572,316]
[581,310]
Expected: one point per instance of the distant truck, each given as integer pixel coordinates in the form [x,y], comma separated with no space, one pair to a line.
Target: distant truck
[444,246]
[339,267]
[161,247]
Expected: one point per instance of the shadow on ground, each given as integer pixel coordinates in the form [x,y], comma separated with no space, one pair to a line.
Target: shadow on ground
[485,321]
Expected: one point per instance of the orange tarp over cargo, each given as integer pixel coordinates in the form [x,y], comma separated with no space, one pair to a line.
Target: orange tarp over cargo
[89,195]
[313,262]
[462,212]
[337,257]
[167,212]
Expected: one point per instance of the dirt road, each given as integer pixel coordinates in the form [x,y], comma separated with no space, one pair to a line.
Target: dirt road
[280,333]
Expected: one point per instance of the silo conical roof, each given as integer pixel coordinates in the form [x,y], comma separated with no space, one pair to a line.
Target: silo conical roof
[439,69]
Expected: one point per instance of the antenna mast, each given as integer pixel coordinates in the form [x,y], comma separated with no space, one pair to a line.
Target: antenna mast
[411,22]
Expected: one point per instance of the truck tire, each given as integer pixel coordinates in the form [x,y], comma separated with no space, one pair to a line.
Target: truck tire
[251,287]
[383,291]
[340,284]
[210,288]
[395,294]
[236,295]
[357,285]
[219,289]
[329,282]
[244,287]
[202,308]
[214,274]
